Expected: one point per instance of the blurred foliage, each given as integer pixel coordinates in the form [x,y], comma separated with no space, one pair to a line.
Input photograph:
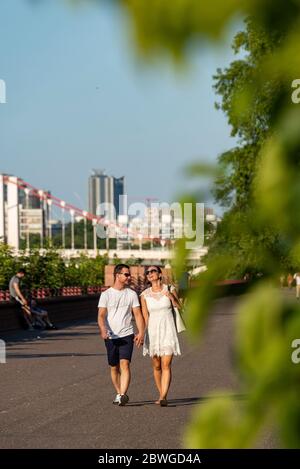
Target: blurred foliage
[258,182]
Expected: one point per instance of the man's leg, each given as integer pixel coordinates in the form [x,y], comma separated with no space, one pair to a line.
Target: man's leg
[46,319]
[113,361]
[125,353]
[27,316]
[38,320]
[297,291]
[125,376]
[115,377]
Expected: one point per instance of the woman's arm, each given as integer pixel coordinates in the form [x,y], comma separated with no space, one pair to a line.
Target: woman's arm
[173,295]
[144,310]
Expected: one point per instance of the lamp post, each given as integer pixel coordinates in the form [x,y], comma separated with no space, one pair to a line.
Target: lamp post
[63,204]
[95,234]
[106,223]
[49,202]
[140,237]
[41,194]
[84,213]
[27,192]
[162,243]
[72,213]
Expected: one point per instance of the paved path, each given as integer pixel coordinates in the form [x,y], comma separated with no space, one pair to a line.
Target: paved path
[56,390]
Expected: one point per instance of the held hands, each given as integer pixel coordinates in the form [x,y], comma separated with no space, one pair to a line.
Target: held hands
[139,340]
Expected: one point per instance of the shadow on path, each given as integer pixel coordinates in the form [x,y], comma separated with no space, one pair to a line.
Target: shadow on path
[184,401]
[23,336]
[53,355]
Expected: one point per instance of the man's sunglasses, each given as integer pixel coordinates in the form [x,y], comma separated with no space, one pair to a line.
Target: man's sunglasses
[126,274]
[152,271]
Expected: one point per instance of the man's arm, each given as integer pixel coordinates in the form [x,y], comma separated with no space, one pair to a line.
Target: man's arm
[19,294]
[102,313]
[139,338]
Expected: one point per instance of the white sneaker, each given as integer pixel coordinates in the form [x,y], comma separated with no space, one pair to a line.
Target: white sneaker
[117,399]
[124,399]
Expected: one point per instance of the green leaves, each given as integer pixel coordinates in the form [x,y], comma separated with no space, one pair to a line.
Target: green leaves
[167,28]
[217,423]
[50,270]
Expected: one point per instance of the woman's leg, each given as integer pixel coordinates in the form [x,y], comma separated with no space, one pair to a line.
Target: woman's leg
[156,365]
[166,375]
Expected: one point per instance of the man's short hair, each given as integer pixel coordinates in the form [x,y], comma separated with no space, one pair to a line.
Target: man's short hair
[118,269]
[21,271]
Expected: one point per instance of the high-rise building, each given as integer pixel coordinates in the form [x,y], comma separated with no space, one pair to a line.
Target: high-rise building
[22,213]
[105,189]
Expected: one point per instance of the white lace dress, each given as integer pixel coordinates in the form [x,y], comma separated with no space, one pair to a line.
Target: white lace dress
[161,336]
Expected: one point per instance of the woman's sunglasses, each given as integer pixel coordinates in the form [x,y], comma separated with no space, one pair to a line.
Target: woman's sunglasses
[152,271]
[126,274]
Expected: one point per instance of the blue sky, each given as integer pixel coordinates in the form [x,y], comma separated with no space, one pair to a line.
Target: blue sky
[78,98]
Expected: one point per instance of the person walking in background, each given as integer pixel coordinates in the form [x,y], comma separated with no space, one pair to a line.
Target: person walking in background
[290,280]
[282,280]
[116,306]
[161,339]
[19,299]
[297,278]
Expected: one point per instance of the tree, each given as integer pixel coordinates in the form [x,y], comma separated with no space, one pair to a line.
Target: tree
[50,270]
[8,265]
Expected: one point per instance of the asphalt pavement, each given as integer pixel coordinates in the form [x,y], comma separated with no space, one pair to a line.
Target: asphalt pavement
[56,390]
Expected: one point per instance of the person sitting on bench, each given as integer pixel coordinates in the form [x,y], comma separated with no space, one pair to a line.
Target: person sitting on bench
[40,316]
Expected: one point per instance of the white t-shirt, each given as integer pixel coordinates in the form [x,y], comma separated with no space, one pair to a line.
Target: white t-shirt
[119,304]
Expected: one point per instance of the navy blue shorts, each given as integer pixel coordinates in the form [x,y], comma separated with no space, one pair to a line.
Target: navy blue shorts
[119,349]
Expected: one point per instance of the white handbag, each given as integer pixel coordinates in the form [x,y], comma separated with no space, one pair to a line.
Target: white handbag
[180,326]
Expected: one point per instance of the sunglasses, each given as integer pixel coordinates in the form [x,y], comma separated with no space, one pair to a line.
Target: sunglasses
[152,271]
[126,274]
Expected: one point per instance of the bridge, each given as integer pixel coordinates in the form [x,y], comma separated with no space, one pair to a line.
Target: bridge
[18,220]
[194,256]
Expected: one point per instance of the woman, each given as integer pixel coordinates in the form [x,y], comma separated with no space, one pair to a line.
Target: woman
[161,340]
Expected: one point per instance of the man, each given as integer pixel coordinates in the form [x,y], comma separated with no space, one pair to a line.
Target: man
[116,306]
[18,298]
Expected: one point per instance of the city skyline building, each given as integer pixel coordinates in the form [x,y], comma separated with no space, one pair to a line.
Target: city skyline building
[104,189]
